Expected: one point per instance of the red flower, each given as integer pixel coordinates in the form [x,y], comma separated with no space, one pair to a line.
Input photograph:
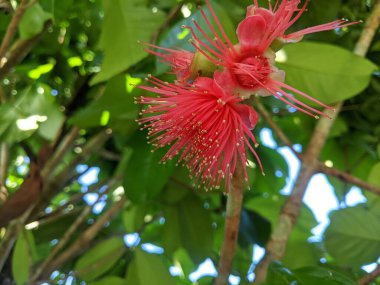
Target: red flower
[205,125]
[278,19]
[179,60]
[251,62]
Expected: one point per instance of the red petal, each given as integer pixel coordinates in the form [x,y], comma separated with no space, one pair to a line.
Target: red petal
[248,115]
[250,32]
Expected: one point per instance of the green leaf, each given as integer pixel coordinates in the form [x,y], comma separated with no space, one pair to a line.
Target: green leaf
[253,229]
[24,254]
[270,206]
[133,217]
[353,236]
[109,280]
[114,105]
[325,72]
[188,225]
[280,275]
[145,177]
[125,23]
[274,163]
[33,21]
[307,253]
[148,269]
[32,110]
[318,276]
[99,259]
[374,175]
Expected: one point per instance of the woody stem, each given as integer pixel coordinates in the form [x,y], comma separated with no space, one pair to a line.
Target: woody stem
[231,230]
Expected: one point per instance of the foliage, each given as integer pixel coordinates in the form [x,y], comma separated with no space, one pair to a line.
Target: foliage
[81,77]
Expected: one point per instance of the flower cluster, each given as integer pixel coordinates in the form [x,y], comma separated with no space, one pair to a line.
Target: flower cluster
[202,115]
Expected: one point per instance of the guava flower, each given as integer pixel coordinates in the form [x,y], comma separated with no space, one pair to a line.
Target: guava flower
[251,62]
[206,126]
[275,21]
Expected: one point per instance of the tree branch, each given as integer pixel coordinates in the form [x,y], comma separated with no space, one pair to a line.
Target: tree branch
[73,228]
[341,175]
[85,238]
[348,178]
[367,279]
[170,16]
[4,160]
[231,228]
[18,52]
[276,246]
[12,28]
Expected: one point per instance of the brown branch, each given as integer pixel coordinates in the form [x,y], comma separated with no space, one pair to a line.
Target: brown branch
[54,183]
[367,279]
[73,228]
[169,18]
[341,175]
[87,236]
[4,160]
[61,150]
[12,28]
[19,51]
[276,246]
[348,178]
[231,228]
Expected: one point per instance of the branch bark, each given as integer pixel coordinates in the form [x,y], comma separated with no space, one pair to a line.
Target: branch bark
[288,217]
[12,28]
[81,243]
[72,229]
[19,51]
[231,228]
[370,277]
[341,175]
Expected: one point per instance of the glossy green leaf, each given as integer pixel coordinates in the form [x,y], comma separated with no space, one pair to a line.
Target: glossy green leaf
[326,72]
[33,21]
[99,259]
[148,269]
[145,176]
[113,106]
[353,236]
[374,175]
[110,280]
[269,207]
[280,275]
[34,109]
[188,225]
[24,255]
[125,23]
[318,276]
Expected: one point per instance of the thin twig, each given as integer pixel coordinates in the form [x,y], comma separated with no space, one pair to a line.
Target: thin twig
[367,279]
[341,175]
[4,160]
[12,28]
[19,51]
[274,126]
[169,18]
[61,150]
[276,246]
[87,236]
[73,228]
[348,178]
[231,228]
